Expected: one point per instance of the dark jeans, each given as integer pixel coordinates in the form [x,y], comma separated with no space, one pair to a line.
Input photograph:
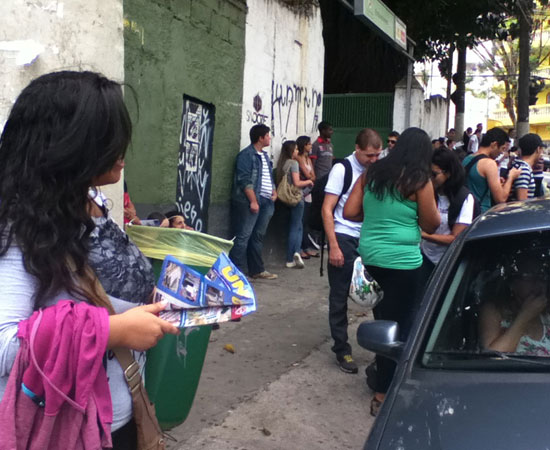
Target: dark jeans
[306,243]
[402,290]
[249,231]
[339,279]
[125,438]
[295,230]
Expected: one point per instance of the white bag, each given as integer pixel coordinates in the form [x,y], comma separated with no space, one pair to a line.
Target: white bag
[364,290]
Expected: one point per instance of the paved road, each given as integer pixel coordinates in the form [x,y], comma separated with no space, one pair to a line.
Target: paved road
[281,389]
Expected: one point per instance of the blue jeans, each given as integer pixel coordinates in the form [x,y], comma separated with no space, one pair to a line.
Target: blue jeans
[295,230]
[249,235]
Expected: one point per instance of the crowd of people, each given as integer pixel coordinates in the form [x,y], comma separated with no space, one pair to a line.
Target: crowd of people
[398,208]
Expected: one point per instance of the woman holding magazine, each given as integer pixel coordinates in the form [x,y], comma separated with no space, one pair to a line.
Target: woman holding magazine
[66,135]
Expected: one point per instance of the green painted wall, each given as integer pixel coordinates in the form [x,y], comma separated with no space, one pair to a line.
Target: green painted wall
[173,47]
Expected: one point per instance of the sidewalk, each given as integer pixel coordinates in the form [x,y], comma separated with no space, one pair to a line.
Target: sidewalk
[281,388]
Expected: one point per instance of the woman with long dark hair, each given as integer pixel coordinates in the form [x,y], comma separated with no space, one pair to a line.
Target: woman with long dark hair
[66,135]
[397,200]
[288,167]
[455,204]
[307,172]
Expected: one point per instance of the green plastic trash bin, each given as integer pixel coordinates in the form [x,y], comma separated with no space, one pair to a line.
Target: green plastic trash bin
[174,365]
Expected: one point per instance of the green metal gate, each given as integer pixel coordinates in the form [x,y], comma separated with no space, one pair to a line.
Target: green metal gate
[349,113]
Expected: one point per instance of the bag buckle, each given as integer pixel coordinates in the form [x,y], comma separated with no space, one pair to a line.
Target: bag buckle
[133,377]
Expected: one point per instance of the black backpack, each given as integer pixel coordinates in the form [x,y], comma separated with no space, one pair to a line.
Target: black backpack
[455,205]
[318,195]
[317,198]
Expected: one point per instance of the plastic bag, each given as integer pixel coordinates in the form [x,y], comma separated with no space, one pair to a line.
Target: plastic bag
[191,247]
[364,290]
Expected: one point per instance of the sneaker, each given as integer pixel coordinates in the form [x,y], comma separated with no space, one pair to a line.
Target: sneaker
[290,265]
[347,364]
[265,275]
[298,261]
[313,241]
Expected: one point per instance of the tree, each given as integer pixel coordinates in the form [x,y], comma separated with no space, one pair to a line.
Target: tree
[501,58]
[440,26]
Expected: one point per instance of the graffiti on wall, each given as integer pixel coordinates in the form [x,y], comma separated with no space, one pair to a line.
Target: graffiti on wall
[195,162]
[295,110]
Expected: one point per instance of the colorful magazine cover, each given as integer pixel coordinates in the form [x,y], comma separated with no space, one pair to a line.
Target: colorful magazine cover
[193,299]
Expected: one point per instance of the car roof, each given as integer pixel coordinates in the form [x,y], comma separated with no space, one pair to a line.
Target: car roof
[512,218]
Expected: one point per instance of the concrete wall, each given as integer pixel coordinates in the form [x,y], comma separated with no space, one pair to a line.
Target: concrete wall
[171,48]
[426,114]
[435,111]
[38,37]
[283,73]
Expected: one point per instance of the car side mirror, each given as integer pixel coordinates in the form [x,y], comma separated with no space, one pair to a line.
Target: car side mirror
[381,337]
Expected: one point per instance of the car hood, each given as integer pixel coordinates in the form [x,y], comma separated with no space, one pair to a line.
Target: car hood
[473,415]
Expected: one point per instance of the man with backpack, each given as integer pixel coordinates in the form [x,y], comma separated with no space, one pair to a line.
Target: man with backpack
[482,173]
[343,238]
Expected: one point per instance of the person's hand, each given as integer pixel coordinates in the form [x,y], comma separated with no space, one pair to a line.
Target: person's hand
[139,328]
[254,207]
[310,183]
[514,173]
[274,195]
[533,306]
[335,256]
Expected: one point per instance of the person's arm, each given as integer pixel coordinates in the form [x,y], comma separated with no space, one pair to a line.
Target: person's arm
[353,209]
[428,215]
[494,337]
[335,255]
[243,177]
[488,168]
[464,219]
[304,169]
[300,183]
[139,328]
[521,193]
[251,196]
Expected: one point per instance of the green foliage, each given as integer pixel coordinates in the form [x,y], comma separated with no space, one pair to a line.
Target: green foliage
[436,25]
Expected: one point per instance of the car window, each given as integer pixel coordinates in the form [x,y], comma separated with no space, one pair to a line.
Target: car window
[495,310]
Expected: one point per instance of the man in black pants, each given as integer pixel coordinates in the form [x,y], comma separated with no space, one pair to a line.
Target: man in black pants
[343,239]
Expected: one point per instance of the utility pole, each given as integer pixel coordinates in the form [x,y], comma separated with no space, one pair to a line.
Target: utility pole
[525,16]
[458,96]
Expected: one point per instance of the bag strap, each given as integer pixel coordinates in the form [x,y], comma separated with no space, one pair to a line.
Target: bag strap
[124,356]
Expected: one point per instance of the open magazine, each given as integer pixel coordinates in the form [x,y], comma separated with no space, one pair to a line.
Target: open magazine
[194,299]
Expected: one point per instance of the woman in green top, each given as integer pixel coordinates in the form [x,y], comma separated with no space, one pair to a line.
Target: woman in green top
[395,199]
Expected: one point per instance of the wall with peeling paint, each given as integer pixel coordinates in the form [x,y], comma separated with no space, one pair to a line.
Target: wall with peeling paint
[283,75]
[41,36]
[174,48]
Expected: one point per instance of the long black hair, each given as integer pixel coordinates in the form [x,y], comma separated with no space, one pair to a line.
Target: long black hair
[65,129]
[448,161]
[406,168]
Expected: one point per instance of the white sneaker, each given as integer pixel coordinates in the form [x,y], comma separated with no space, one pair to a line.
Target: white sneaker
[290,265]
[298,261]
[313,241]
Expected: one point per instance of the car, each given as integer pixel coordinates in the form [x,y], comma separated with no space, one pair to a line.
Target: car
[475,370]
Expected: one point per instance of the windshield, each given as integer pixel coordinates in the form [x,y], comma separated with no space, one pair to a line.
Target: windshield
[495,312]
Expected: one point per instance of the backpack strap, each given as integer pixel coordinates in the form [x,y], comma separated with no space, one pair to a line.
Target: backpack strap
[469,166]
[472,162]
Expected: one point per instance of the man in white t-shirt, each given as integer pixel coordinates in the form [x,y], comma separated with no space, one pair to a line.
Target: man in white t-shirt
[343,239]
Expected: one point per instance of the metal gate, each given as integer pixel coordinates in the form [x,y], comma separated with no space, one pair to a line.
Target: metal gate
[349,113]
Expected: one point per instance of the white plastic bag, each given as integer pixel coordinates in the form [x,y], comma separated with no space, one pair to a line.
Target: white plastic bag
[364,290]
